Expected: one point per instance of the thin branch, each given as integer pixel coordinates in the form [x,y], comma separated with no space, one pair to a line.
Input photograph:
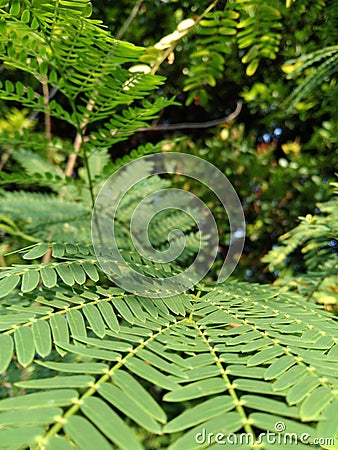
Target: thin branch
[195,125]
[79,138]
[129,20]
[90,105]
[48,122]
[4,158]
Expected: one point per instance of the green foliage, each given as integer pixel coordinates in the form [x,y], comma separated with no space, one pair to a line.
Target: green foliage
[240,344]
[85,364]
[323,63]
[317,238]
[215,34]
[60,46]
[275,190]
[253,26]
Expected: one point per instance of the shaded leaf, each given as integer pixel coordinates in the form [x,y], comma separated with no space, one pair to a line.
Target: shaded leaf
[109,423]
[37,251]
[84,434]
[24,345]
[42,337]
[196,390]
[6,351]
[8,284]
[128,406]
[60,397]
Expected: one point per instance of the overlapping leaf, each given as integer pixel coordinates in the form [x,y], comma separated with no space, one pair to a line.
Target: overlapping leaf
[234,355]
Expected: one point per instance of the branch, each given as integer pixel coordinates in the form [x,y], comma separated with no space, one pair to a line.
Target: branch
[196,125]
[131,17]
[90,105]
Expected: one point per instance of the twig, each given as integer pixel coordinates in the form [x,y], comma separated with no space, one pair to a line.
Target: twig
[90,105]
[4,158]
[79,138]
[129,20]
[196,125]
[48,122]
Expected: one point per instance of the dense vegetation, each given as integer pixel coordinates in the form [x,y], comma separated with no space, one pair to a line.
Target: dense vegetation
[249,86]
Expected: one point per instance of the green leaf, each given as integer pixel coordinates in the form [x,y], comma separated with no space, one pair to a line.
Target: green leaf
[109,316]
[109,423]
[255,386]
[84,434]
[149,306]
[95,320]
[289,378]
[333,353]
[17,438]
[206,410]
[252,67]
[197,390]
[78,273]
[24,345]
[25,16]
[58,250]
[192,439]
[160,363]
[279,366]
[15,8]
[314,404]
[197,361]
[244,371]
[301,389]
[265,355]
[65,274]
[142,370]
[266,421]
[91,352]
[175,305]
[76,322]
[37,251]
[123,309]
[59,327]
[42,337]
[6,351]
[76,367]
[58,443]
[35,24]
[328,424]
[48,276]
[8,284]
[30,280]
[105,343]
[135,306]
[90,270]
[75,381]
[132,388]
[202,372]
[60,397]
[71,248]
[128,406]
[33,417]
[267,404]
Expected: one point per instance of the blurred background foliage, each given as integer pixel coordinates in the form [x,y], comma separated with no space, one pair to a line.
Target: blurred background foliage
[279,157]
[280,152]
